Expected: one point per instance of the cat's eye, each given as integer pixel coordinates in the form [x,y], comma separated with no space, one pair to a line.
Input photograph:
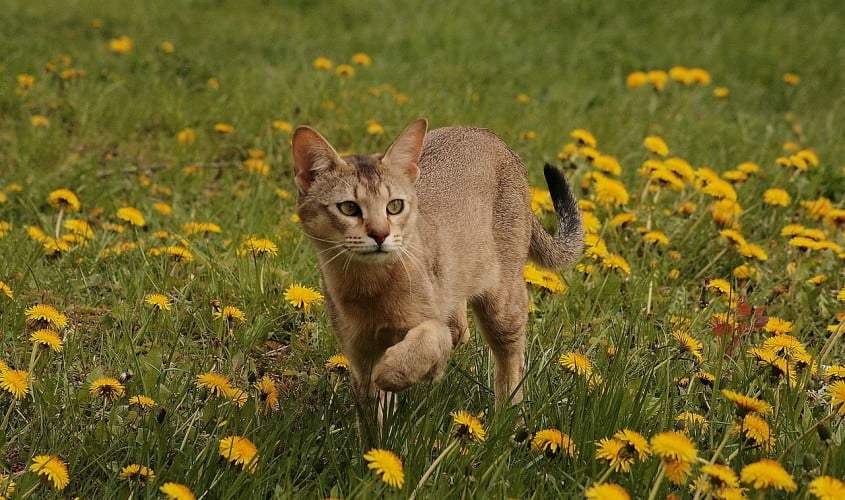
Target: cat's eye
[349,208]
[395,206]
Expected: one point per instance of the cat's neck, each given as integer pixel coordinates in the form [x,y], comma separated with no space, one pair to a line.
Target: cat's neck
[358,279]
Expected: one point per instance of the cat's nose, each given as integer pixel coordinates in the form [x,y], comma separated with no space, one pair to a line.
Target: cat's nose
[378,236]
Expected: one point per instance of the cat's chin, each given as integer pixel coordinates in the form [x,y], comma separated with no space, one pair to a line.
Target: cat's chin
[376,256]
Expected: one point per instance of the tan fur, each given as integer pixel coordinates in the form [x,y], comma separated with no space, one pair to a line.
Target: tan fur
[464,235]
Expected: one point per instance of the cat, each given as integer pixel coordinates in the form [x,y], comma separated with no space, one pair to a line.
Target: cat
[405,239]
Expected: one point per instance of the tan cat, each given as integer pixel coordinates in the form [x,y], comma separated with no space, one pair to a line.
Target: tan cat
[406,238]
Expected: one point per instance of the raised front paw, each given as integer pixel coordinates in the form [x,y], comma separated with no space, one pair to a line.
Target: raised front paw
[393,373]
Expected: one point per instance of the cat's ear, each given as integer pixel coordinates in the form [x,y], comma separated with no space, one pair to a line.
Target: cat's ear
[312,154]
[405,151]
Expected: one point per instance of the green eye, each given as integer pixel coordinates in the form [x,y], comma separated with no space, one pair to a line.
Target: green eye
[349,208]
[395,206]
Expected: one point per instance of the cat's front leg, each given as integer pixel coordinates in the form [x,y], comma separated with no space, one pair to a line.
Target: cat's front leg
[423,353]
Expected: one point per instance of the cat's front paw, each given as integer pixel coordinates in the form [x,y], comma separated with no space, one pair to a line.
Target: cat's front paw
[392,373]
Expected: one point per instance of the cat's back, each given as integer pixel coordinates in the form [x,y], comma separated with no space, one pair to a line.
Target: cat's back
[467,161]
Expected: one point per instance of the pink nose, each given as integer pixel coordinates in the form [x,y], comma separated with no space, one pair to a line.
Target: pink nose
[379,236]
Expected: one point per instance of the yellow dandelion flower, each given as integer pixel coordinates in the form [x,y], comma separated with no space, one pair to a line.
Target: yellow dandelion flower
[322,63]
[257,247]
[606,491]
[735,176]
[656,145]
[158,302]
[635,442]
[545,279]
[720,475]
[677,471]
[753,251]
[7,486]
[121,45]
[47,315]
[721,92]
[240,451]
[143,401]
[217,384]
[622,219]
[610,192]
[827,488]
[765,474]
[576,363]
[636,79]
[720,286]
[15,382]
[337,362]
[785,344]
[662,177]
[64,199]
[108,388]
[52,468]
[39,121]
[167,47]
[617,263]
[552,442]
[213,84]
[617,454]
[137,473]
[257,166]
[541,201]
[836,392]
[47,338]
[817,280]
[468,427]
[176,491]
[746,404]
[777,197]
[362,59]
[834,373]
[583,137]
[778,326]
[6,290]
[387,466]
[282,126]
[223,128]
[79,227]
[591,223]
[686,419]
[673,446]
[657,78]
[733,236]
[791,78]
[656,238]
[757,431]
[374,128]
[345,70]
[302,297]
[186,136]
[230,313]
[269,393]
[688,344]
[178,253]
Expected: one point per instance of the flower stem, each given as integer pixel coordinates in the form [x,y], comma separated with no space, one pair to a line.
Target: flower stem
[660,474]
[431,468]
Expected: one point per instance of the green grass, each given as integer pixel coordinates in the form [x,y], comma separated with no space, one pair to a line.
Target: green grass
[112,139]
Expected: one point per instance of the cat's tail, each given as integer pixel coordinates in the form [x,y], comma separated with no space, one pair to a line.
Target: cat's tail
[564,250]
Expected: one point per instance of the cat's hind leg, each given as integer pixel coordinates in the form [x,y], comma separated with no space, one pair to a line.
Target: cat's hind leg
[502,317]
[423,353]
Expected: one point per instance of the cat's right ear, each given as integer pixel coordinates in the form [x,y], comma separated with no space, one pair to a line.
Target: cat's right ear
[312,154]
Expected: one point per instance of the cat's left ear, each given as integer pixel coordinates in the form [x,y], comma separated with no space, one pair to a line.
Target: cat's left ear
[405,151]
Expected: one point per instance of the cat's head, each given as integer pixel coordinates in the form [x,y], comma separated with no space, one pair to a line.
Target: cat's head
[361,206]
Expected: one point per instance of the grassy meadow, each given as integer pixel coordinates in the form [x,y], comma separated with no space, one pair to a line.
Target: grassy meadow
[161,332]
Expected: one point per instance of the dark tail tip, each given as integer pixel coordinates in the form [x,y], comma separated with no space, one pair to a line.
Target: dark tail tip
[562,196]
